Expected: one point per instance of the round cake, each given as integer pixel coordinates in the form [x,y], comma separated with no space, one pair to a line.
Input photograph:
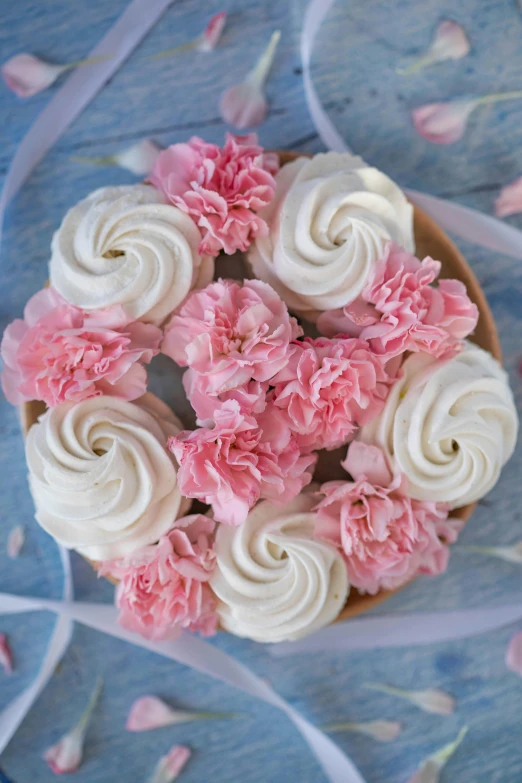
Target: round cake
[394,404]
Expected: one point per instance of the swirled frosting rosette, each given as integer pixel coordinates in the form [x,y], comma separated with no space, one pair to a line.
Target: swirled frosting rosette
[101,478]
[329,222]
[124,246]
[449,425]
[274,581]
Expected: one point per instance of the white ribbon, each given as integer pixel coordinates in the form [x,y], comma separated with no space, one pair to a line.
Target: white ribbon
[78,91]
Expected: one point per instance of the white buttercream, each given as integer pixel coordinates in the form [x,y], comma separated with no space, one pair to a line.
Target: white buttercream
[448,425]
[328,224]
[102,480]
[275,581]
[123,246]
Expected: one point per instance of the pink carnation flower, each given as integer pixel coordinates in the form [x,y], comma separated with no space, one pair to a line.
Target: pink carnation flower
[240,460]
[58,353]
[399,310]
[251,397]
[231,333]
[220,188]
[386,537]
[329,388]
[163,589]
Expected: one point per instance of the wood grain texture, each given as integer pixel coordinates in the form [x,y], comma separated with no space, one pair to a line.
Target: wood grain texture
[354,68]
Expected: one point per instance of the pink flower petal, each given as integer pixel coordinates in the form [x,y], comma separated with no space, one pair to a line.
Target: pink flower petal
[245,105]
[6,656]
[212,32]
[381,730]
[66,756]
[430,700]
[509,201]
[430,769]
[450,42]
[149,712]
[138,158]
[514,654]
[15,542]
[27,75]
[170,766]
[443,123]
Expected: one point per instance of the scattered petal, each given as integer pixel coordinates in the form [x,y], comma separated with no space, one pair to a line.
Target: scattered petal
[450,42]
[244,105]
[512,553]
[509,201]
[514,654]
[6,656]
[139,158]
[430,768]
[66,755]
[381,730]
[430,700]
[446,122]
[27,75]
[149,712]
[212,32]
[15,542]
[170,766]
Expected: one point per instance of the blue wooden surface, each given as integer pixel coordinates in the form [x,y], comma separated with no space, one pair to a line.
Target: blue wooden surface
[354,67]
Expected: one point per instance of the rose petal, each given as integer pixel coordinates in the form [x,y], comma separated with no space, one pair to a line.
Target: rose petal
[512,553]
[509,201]
[66,756]
[381,730]
[6,656]
[430,700]
[450,42]
[212,32]
[149,712]
[430,768]
[443,123]
[138,158]
[170,766]
[514,654]
[245,105]
[26,75]
[15,541]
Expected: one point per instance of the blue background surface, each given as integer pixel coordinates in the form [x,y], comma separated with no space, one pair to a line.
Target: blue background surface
[354,68]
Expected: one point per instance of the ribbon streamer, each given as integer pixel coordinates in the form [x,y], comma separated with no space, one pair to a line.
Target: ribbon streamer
[78,91]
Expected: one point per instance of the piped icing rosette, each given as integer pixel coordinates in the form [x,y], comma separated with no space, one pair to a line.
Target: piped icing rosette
[274,581]
[124,246]
[449,425]
[329,222]
[101,478]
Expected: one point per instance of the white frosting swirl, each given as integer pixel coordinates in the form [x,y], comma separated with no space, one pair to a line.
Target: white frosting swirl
[448,425]
[328,224]
[275,581]
[122,245]
[102,480]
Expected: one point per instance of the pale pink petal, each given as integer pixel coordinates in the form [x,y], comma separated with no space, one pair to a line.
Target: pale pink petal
[449,43]
[510,553]
[6,656]
[139,158]
[363,460]
[245,105]
[149,712]
[381,730]
[443,123]
[514,654]
[430,700]
[430,769]
[509,201]
[212,32]
[170,766]
[66,756]
[27,75]
[15,541]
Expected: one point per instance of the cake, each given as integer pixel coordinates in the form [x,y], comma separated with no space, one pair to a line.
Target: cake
[399,420]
